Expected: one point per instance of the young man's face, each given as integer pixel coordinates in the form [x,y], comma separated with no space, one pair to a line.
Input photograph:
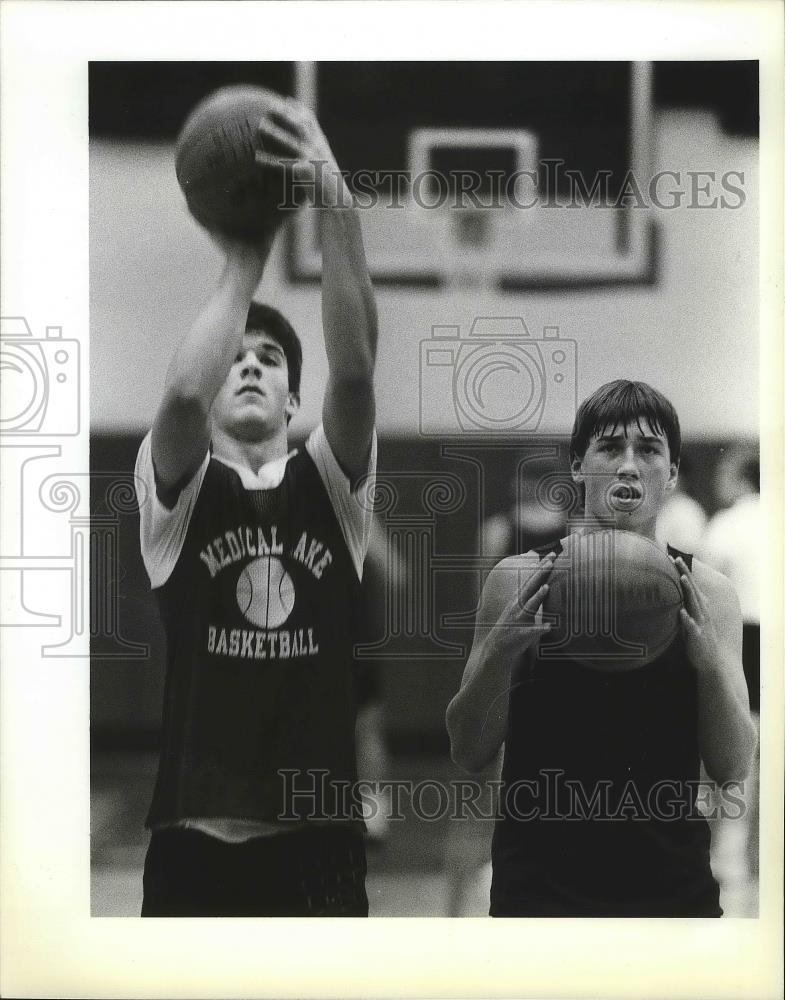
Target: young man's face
[254,401]
[627,473]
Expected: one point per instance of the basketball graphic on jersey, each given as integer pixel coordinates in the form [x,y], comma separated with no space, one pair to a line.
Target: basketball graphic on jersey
[265,592]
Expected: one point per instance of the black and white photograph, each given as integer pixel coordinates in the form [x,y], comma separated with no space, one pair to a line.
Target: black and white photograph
[399,537]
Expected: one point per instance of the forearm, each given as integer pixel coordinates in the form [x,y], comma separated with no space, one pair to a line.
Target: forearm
[204,357]
[348,304]
[726,732]
[477,716]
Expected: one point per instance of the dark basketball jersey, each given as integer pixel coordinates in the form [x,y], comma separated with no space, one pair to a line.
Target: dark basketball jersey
[259,612]
[600,783]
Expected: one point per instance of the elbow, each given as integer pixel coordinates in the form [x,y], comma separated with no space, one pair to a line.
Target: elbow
[734,774]
[187,399]
[367,303]
[462,756]
[366,355]
[737,769]
[745,762]
[462,752]
[355,384]
[457,749]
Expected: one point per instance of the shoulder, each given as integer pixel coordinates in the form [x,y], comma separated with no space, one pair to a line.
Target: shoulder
[682,502]
[321,452]
[719,521]
[716,587]
[352,502]
[146,473]
[163,525]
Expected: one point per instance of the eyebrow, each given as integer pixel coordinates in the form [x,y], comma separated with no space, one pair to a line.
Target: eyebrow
[649,439]
[263,348]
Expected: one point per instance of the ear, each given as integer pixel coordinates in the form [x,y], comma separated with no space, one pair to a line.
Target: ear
[292,404]
[576,466]
[673,477]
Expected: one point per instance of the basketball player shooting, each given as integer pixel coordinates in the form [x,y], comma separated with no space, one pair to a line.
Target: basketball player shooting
[601,763]
[255,553]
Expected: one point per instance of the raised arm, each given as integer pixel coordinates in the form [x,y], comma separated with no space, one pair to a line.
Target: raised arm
[505,629]
[350,333]
[712,627]
[348,306]
[181,431]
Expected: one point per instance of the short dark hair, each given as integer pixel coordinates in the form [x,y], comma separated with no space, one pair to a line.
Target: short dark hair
[622,402]
[266,319]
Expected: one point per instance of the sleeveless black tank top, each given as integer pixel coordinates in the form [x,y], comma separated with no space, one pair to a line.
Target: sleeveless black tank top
[260,619]
[601,777]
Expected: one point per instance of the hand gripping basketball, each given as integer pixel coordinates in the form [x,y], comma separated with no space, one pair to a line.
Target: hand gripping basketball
[290,126]
[517,628]
[237,156]
[700,633]
[614,601]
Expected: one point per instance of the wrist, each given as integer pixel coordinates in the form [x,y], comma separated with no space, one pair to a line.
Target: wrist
[706,664]
[243,268]
[504,646]
[331,189]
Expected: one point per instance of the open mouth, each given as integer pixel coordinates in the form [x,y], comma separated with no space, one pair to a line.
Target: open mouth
[625,496]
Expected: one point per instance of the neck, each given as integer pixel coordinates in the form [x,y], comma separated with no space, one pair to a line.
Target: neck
[250,454]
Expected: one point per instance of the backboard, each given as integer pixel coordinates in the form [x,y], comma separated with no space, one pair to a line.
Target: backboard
[510,175]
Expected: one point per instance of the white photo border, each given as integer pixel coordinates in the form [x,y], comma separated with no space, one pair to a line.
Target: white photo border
[50,944]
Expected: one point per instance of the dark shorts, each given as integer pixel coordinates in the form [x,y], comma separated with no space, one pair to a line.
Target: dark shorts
[314,872]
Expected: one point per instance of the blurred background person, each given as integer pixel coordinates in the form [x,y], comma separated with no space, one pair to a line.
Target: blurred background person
[526,523]
[732,537]
[383,573]
[682,520]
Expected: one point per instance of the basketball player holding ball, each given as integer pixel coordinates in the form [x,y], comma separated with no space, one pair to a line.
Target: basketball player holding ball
[601,763]
[255,554]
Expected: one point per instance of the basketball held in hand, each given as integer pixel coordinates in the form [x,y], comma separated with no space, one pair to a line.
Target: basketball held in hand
[613,602]
[226,189]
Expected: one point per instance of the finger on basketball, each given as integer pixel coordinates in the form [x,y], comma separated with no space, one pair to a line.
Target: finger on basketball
[300,116]
[289,123]
[536,580]
[269,130]
[688,622]
[691,598]
[523,607]
[292,116]
[690,580]
[283,107]
[534,603]
[524,628]
[268,160]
